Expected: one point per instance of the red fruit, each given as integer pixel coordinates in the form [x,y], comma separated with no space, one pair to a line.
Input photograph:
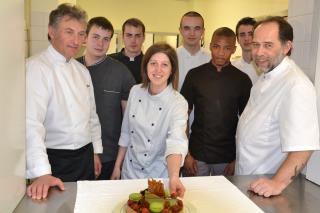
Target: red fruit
[173,195]
[130,202]
[135,206]
[176,208]
[145,210]
[165,211]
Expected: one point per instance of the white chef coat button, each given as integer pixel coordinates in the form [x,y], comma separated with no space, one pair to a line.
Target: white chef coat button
[133,116]
[145,154]
[139,100]
[142,168]
[160,108]
[149,140]
[130,160]
[152,124]
[132,131]
[131,146]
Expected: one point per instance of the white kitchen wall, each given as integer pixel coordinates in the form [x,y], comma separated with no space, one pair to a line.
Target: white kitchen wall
[12,103]
[300,15]
[38,31]
[304,16]
[313,167]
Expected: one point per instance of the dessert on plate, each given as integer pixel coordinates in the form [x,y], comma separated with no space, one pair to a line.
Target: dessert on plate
[154,199]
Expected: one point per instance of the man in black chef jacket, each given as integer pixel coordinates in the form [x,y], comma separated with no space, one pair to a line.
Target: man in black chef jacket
[218,92]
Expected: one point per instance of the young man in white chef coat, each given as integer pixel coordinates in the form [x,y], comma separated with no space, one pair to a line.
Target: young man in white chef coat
[244,32]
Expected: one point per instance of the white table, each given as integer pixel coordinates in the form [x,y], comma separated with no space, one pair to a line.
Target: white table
[203,194]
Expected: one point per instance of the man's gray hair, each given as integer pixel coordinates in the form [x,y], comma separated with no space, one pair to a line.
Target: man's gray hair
[68,10]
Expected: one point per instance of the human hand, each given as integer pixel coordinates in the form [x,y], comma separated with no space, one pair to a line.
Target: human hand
[176,187]
[278,203]
[40,186]
[266,187]
[190,165]
[97,165]
[116,173]
[229,170]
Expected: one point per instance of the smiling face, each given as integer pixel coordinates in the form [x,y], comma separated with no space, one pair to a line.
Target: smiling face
[68,36]
[192,30]
[222,48]
[267,49]
[98,41]
[158,71]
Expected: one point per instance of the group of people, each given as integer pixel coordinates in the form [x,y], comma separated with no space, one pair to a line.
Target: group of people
[131,115]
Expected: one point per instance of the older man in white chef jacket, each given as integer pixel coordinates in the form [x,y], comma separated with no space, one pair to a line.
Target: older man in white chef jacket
[63,129]
[278,129]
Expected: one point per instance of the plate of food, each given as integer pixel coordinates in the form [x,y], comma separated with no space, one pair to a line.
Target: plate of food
[154,199]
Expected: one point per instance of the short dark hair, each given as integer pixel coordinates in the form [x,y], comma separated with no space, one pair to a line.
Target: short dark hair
[192,14]
[245,21]
[69,10]
[134,22]
[225,32]
[100,22]
[165,48]
[285,29]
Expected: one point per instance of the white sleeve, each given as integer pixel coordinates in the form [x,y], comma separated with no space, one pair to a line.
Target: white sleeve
[37,98]
[95,127]
[298,120]
[177,141]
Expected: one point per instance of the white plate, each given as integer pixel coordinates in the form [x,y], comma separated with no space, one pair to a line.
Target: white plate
[121,207]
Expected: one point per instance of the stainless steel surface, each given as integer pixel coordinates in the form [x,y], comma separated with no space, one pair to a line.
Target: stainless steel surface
[301,196]
[57,201]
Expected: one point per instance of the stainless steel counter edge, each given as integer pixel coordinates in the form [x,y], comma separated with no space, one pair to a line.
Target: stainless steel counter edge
[301,196]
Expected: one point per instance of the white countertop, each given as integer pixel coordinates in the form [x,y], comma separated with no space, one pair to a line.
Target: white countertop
[204,194]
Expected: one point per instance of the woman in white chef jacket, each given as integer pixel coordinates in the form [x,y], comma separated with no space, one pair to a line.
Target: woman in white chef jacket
[153,141]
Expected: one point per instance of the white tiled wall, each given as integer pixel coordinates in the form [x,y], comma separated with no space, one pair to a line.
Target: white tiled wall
[301,15]
[313,169]
[300,7]
[304,15]
[38,31]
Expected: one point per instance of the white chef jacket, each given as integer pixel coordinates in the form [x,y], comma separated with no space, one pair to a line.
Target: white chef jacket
[280,117]
[248,68]
[61,111]
[153,127]
[188,62]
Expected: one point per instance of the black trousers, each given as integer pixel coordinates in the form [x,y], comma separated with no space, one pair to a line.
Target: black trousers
[72,165]
[106,170]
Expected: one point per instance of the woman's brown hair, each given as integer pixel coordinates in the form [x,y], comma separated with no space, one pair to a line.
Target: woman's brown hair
[172,55]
